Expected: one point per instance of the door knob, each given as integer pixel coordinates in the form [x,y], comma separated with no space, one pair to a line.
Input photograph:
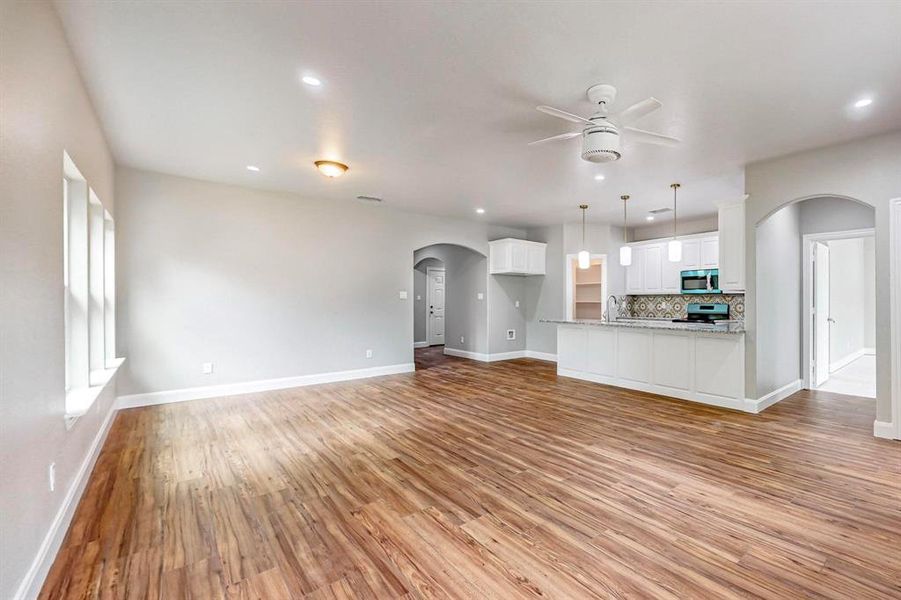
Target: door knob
[831,320]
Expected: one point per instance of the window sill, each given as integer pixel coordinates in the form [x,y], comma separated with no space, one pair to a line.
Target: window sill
[78,402]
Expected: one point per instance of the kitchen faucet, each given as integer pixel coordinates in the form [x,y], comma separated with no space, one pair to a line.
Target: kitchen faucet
[615,303]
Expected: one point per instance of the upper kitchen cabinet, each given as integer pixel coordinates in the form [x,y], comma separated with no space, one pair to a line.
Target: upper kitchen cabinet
[732,247]
[510,256]
[652,273]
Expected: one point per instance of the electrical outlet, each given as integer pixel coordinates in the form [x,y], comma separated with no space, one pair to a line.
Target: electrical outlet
[368,353]
[418,297]
[511,334]
[51,476]
[402,294]
[516,304]
[207,368]
[462,339]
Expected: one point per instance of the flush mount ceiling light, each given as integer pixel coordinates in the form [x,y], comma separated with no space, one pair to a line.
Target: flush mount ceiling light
[253,168]
[863,102]
[649,218]
[481,211]
[584,255]
[625,252]
[331,168]
[310,80]
[674,248]
[599,177]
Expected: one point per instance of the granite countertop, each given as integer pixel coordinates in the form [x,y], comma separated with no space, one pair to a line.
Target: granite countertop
[721,327]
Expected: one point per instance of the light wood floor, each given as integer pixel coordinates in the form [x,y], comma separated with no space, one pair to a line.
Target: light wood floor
[473,480]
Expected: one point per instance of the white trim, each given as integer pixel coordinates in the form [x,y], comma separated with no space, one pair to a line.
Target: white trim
[807,291]
[869,351]
[884,429]
[895,315]
[480,356]
[262,385]
[541,355]
[847,360]
[421,344]
[34,578]
[570,285]
[777,395]
[498,356]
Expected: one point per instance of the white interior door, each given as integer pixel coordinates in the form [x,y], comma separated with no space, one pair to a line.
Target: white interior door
[436,297]
[821,319]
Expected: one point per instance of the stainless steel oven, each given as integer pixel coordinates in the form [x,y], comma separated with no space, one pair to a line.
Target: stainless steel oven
[701,281]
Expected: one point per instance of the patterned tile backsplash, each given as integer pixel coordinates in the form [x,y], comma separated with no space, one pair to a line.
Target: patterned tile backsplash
[675,306]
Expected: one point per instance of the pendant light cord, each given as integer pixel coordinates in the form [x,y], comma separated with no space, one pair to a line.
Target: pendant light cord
[675,187]
[625,228]
[583,207]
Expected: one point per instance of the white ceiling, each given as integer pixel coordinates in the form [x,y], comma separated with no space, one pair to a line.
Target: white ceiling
[432,104]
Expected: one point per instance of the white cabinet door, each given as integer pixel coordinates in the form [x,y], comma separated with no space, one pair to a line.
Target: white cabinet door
[732,247]
[536,259]
[691,255]
[653,269]
[634,277]
[710,253]
[672,280]
[519,258]
[572,346]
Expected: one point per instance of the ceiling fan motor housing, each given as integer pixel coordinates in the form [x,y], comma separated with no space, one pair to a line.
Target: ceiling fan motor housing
[600,144]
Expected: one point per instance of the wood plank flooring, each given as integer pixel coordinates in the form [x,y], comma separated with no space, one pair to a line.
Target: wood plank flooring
[472,480]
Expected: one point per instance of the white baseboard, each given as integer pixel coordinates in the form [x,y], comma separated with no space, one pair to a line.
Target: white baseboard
[33,581]
[847,360]
[869,351]
[764,402]
[506,355]
[262,385]
[541,355]
[480,356]
[420,344]
[884,429]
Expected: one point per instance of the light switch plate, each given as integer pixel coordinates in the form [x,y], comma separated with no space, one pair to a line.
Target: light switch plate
[480,296]
[207,368]
[368,353]
[516,304]
[418,297]
[403,294]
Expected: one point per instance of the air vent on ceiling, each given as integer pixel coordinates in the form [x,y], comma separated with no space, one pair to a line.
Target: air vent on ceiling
[369,198]
[660,211]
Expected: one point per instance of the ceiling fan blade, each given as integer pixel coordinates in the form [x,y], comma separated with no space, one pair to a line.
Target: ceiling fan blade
[554,138]
[649,137]
[638,110]
[562,114]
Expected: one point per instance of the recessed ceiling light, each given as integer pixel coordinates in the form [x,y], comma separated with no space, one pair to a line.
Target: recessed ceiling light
[649,218]
[310,80]
[253,168]
[863,102]
[331,168]
[599,177]
[481,211]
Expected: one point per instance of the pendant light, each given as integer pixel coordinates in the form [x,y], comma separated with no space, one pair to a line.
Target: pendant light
[625,252]
[584,255]
[674,248]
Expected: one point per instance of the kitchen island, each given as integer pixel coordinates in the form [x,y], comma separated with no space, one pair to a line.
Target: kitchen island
[691,361]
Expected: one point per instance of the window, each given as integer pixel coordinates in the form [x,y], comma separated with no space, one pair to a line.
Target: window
[89,282]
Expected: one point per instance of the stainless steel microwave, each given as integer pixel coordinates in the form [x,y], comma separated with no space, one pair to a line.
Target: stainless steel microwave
[701,281]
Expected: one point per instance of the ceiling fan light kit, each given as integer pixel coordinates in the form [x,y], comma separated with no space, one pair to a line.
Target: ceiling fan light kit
[601,132]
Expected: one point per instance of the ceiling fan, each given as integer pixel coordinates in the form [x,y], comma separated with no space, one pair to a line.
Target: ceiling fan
[601,131]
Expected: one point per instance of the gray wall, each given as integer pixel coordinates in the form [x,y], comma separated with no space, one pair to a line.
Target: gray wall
[664,228]
[268,285]
[465,315]
[420,295]
[824,215]
[45,110]
[779,300]
[868,170]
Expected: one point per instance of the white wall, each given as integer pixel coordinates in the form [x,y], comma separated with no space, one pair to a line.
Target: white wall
[778,300]
[847,301]
[869,302]
[267,285]
[867,170]
[45,110]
